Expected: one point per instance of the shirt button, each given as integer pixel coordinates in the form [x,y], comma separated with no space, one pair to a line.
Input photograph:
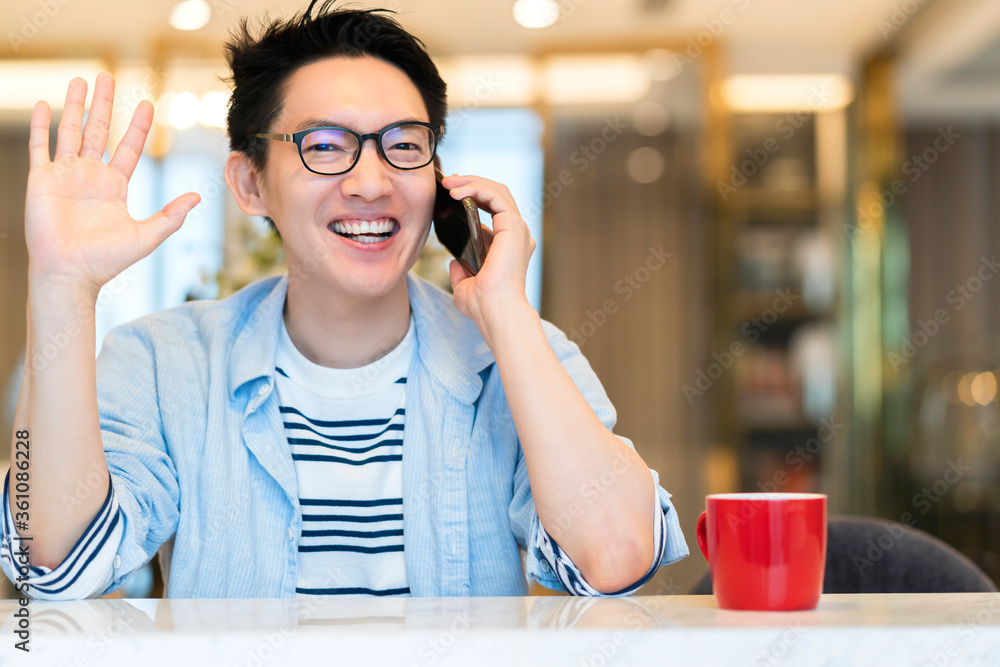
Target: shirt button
[291,534]
[545,566]
[262,390]
[118,561]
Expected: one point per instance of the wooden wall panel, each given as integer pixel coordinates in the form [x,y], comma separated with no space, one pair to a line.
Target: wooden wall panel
[599,230]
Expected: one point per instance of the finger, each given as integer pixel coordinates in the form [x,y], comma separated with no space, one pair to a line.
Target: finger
[156,228]
[95,133]
[457,273]
[491,197]
[130,148]
[487,235]
[70,126]
[38,140]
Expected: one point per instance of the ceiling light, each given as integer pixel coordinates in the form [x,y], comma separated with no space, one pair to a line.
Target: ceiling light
[212,109]
[787,92]
[190,15]
[488,81]
[25,82]
[607,79]
[536,13]
[184,110]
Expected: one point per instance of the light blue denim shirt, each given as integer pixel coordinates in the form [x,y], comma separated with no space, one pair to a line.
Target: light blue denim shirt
[196,449]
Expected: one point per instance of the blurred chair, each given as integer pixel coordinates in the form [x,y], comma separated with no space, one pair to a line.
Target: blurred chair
[866,555]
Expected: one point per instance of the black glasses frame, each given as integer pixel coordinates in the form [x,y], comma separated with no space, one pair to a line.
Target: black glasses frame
[297,138]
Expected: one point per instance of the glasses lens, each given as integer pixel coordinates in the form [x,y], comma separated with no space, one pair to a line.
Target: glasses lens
[408,146]
[329,151]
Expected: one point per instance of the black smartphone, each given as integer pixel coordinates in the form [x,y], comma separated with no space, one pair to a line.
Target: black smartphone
[456,223]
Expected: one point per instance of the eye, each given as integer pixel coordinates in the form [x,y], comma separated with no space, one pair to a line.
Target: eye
[328,141]
[324,148]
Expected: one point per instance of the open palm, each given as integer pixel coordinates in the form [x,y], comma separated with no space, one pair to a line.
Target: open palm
[77,226]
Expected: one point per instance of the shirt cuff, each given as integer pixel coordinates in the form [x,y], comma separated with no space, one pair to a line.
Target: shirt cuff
[571,578]
[86,571]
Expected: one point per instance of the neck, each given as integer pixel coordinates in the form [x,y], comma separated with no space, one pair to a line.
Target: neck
[339,330]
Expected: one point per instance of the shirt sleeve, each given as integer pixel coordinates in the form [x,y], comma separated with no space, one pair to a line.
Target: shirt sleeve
[87,570]
[572,579]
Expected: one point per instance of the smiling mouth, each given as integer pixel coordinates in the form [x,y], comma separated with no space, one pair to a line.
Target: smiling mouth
[365,231]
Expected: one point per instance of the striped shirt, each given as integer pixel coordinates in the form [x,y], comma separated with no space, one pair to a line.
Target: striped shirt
[345,434]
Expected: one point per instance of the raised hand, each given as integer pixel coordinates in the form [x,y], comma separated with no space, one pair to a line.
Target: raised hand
[77,227]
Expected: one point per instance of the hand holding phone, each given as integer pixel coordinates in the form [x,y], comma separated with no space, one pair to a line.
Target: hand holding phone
[456,223]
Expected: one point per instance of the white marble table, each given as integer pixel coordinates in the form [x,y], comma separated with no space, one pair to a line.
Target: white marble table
[849,630]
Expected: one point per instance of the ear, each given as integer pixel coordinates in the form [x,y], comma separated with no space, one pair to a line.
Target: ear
[242,181]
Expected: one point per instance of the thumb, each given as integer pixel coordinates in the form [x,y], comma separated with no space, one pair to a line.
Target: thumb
[156,228]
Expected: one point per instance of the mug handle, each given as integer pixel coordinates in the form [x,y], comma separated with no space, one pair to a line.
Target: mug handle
[701,530]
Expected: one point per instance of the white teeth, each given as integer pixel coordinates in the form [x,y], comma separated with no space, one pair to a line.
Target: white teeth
[364,227]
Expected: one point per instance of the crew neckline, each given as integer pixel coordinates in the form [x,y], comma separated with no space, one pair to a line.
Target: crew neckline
[344,383]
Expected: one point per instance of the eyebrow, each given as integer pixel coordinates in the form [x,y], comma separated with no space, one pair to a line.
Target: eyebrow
[310,123]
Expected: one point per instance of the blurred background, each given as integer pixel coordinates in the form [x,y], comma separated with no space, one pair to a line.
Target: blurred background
[770,226]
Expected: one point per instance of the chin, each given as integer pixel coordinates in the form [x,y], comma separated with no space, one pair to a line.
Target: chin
[372,286]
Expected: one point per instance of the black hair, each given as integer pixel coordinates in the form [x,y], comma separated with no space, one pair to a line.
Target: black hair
[262,66]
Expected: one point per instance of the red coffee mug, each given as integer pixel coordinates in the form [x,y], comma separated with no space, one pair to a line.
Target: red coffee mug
[767,551]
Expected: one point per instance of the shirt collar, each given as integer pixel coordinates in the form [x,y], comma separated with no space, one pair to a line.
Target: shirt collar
[448,344]
[256,327]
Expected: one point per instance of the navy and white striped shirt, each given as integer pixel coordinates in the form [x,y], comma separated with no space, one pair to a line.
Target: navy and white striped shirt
[345,434]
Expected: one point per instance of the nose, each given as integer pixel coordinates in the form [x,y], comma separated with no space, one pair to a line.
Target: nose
[369,179]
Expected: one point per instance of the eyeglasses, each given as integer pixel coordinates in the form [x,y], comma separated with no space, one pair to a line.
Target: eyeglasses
[330,151]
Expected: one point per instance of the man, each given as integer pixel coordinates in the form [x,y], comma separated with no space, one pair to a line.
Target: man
[238,427]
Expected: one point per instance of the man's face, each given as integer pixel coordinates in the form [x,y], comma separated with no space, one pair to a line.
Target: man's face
[364,95]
